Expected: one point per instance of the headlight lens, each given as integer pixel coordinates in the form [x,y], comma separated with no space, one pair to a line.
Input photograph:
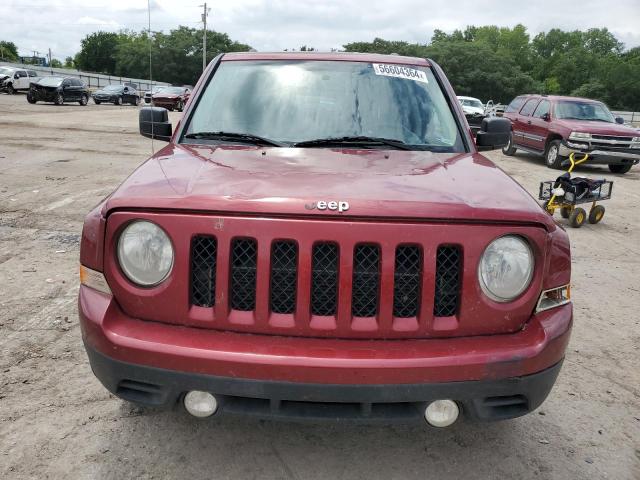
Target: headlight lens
[145,253]
[579,136]
[506,268]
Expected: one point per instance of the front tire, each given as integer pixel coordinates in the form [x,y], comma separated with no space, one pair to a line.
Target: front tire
[596,214]
[59,99]
[619,168]
[84,100]
[30,99]
[179,106]
[118,101]
[552,155]
[137,101]
[97,102]
[577,217]
[10,89]
[509,149]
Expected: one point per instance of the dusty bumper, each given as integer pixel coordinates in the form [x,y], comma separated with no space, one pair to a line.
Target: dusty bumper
[108,330]
[605,157]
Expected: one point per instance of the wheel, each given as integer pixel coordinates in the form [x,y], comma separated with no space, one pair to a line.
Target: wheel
[97,102]
[59,99]
[509,149]
[84,100]
[179,106]
[577,217]
[10,89]
[118,101]
[137,101]
[552,155]
[596,214]
[619,168]
[30,98]
[565,212]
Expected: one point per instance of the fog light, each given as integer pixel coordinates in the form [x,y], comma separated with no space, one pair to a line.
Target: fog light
[441,413]
[200,404]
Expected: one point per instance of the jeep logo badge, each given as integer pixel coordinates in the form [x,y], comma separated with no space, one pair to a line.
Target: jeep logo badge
[324,205]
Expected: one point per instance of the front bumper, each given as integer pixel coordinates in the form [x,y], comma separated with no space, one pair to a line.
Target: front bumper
[603,157]
[492,377]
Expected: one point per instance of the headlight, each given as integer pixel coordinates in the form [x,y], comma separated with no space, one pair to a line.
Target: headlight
[580,136]
[635,143]
[145,253]
[506,268]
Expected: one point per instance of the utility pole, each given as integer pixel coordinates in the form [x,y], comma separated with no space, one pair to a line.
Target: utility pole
[50,62]
[204,35]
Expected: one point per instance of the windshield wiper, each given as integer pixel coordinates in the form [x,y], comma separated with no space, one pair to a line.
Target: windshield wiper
[243,137]
[358,140]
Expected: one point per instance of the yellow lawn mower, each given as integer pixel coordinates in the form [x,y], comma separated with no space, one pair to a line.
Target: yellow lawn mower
[565,193]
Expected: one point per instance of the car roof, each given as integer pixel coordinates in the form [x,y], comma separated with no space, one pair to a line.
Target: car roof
[462,97]
[326,56]
[556,98]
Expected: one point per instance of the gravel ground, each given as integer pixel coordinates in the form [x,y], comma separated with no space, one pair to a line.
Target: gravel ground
[57,421]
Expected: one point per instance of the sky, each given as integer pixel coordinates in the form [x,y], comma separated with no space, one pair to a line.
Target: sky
[275,25]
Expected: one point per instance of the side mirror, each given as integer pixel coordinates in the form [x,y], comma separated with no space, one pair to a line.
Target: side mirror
[16,76]
[154,123]
[620,120]
[546,117]
[494,133]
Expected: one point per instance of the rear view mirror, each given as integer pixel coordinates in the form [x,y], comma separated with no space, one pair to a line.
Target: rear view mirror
[494,133]
[154,123]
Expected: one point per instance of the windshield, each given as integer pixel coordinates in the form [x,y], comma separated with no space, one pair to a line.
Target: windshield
[298,101]
[113,88]
[467,102]
[5,71]
[576,110]
[157,89]
[50,81]
[173,90]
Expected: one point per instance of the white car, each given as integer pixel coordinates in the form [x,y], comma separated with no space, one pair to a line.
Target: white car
[471,105]
[16,79]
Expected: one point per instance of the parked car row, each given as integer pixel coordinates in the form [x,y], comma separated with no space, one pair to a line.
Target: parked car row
[13,80]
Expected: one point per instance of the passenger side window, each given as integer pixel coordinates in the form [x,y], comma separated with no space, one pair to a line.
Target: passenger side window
[543,107]
[529,107]
[66,83]
[515,105]
[32,73]
[22,74]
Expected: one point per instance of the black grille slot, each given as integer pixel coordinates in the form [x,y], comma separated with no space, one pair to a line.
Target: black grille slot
[366,281]
[407,278]
[447,295]
[284,275]
[324,279]
[244,254]
[203,271]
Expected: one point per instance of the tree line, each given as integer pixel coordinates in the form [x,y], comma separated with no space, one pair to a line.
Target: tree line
[488,62]
[499,63]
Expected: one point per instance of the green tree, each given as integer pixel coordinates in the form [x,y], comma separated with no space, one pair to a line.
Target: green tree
[55,63]
[68,62]
[97,52]
[8,51]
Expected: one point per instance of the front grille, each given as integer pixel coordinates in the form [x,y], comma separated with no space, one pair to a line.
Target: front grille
[407,277]
[203,271]
[320,285]
[611,137]
[366,281]
[284,275]
[448,263]
[324,279]
[244,253]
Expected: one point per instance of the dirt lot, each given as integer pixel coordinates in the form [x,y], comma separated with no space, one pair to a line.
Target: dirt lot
[57,421]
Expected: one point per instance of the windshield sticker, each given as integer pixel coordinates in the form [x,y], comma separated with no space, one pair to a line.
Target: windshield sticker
[400,71]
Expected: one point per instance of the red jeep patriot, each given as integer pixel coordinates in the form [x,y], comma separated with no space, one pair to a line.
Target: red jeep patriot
[557,126]
[321,239]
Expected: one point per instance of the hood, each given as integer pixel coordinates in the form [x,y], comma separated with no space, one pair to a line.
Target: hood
[472,110]
[165,95]
[286,181]
[598,128]
[105,92]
